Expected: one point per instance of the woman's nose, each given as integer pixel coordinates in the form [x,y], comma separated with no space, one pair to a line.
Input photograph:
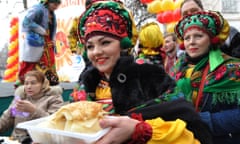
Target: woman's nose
[192,40]
[28,85]
[97,50]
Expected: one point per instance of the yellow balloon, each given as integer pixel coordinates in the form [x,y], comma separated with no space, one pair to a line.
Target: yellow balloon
[17,54]
[149,9]
[167,5]
[12,79]
[15,68]
[155,7]
[13,45]
[10,60]
[11,71]
[12,32]
[177,4]
[14,29]
[14,57]
[170,27]
[6,72]
[10,46]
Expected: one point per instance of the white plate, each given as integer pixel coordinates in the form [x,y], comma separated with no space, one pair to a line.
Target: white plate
[54,136]
[8,141]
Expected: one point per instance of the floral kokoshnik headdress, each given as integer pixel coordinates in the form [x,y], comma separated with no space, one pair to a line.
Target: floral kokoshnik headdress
[108,18]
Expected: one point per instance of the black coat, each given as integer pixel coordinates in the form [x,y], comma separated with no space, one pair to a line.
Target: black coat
[232,43]
[133,84]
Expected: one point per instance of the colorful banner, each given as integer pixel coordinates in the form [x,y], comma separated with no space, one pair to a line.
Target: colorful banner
[69,66]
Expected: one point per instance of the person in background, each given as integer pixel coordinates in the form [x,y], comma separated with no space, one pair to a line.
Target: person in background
[141,91]
[33,100]
[38,49]
[170,47]
[232,45]
[150,44]
[208,77]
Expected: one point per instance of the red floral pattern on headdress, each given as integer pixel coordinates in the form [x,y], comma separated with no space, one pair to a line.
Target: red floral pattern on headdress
[108,18]
[106,21]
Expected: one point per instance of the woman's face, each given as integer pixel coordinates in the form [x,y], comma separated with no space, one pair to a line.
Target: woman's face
[32,86]
[189,8]
[196,43]
[103,52]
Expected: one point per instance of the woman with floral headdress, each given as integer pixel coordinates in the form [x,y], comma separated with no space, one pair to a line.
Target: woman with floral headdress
[38,47]
[231,46]
[209,78]
[141,91]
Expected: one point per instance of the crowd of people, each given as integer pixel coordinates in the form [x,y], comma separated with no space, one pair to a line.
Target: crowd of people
[180,87]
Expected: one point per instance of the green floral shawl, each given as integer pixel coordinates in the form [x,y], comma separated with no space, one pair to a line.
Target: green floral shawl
[222,81]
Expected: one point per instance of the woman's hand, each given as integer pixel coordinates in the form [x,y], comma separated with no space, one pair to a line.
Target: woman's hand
[25,106]
[122,129]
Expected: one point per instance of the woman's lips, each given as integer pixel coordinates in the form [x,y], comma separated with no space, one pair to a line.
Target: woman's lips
[192,50]
[101,61]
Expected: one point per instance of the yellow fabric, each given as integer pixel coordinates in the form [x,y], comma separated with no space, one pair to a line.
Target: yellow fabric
[103,91]
[189,75]
[72,37]
[189,72]
[224,33]
[149,51]
[194,97]
[150,35]
[170,132]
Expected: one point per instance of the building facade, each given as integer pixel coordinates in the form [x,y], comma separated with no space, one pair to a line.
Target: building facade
[229,8]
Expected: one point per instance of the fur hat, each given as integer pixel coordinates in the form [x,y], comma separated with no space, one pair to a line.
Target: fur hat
[108,18]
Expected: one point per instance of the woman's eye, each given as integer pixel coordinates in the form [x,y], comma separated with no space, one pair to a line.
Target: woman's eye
[89,46]
[186,38]
[198,36]
[106,42]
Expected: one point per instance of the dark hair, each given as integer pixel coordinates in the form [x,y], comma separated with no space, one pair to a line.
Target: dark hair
[37,74]
[198,2]
[55,1]
[173,35]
